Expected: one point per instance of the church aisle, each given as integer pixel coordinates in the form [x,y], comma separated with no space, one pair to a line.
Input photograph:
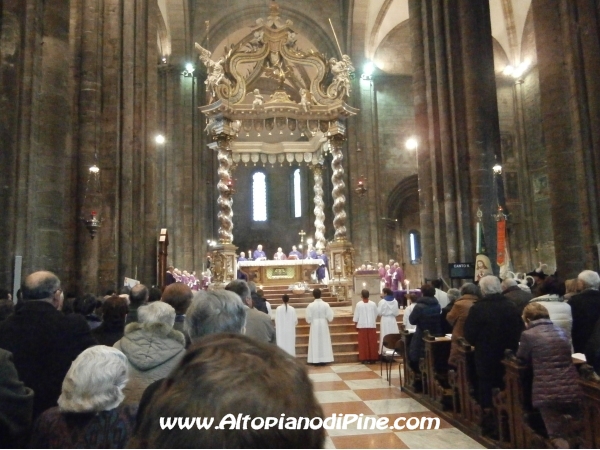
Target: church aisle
[359,389]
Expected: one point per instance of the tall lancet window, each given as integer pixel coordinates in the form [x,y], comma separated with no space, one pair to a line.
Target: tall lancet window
[297,194]
[414,245]
[259,197]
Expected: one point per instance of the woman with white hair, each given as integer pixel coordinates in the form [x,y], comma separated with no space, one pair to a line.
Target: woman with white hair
[90,413]
[153,348]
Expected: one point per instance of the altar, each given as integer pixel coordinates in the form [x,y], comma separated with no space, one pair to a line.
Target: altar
[269,273]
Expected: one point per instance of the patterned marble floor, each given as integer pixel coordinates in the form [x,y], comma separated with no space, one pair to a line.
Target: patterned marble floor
[359,389]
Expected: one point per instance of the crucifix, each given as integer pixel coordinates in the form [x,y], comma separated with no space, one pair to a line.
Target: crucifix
[302,234]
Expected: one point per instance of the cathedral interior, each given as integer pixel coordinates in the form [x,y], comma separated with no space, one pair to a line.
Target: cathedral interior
[453,108]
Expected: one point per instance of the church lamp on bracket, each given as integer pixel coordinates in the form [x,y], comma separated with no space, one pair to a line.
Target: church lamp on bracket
[230,188]
[361,187]
[90,201]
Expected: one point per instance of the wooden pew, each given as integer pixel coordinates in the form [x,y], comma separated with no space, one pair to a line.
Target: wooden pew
[520,425]
[434,370]
[590,385]
[412,380]
[464,384]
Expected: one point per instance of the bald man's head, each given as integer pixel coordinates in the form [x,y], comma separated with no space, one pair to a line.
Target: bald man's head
[42,285]
[139,295]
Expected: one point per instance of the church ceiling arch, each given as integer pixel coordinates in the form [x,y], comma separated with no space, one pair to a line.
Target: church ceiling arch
[378,27]
[402,194]
[176,17]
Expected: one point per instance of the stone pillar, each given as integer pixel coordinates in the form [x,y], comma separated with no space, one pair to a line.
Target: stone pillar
[320,242]
[456,121]
[568,64]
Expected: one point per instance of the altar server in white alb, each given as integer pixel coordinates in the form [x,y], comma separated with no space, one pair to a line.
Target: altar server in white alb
[365,316]
[318,315]
[285,326]
[388,310]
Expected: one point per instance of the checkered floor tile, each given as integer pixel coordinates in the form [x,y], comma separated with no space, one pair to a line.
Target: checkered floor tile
[359,389]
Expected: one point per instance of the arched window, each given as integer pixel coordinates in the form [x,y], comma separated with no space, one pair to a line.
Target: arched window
[259,197]
[297,194]
[414,246]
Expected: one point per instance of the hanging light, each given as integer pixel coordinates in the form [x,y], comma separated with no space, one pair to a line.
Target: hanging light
[361,188]
[92,200]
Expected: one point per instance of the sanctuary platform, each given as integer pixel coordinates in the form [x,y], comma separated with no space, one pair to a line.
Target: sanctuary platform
[344,336]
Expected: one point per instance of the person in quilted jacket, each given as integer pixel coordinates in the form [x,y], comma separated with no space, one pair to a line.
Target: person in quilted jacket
[153,348]
[426,316]
[553,290]
[556,392]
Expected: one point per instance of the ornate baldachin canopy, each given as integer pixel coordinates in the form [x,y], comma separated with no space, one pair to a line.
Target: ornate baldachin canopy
[306,86]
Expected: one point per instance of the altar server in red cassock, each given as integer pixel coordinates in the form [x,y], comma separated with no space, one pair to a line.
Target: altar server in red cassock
[365,316]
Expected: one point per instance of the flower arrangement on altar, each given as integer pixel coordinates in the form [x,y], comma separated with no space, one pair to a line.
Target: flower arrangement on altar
[299,288]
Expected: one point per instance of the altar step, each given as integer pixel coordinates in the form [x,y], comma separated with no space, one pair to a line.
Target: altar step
[344,339]
[273,295]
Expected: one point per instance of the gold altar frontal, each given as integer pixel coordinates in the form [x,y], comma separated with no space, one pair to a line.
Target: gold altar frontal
[269,273]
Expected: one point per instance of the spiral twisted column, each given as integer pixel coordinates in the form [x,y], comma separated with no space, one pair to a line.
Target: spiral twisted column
[224,201]
[319,207]
[339,199]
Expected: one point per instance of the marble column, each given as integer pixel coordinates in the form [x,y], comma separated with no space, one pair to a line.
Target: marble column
[224,201]
[337,178]
[456,118]
[320,242]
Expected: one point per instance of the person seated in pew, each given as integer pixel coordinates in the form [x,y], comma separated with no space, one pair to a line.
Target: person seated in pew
[556,393]
[469,294]
[426,316]
[411,301]
[492,326]
[453,295]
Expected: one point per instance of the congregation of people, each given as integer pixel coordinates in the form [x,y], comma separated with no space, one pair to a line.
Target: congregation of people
[541,324]
[103,372]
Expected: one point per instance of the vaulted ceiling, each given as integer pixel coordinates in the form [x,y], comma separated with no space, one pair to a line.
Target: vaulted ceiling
[379,28]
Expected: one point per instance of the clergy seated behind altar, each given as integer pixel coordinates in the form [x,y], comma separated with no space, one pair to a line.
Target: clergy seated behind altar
[242,257]
[295,254]
[311,253]
[258,254]
[279,256]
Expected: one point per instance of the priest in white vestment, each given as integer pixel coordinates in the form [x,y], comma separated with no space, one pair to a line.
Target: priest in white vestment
[285,326]
[318,315]
[388,310]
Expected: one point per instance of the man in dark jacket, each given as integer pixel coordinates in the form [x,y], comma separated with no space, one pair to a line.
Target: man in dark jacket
[515,294]
[257,301]
[426,316]
[585,309]
[44,342]
[492,326]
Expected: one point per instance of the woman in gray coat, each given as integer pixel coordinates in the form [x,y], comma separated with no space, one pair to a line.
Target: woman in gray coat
[555,390]
[153,348]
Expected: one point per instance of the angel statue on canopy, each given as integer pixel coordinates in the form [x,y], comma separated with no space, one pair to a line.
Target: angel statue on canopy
[216,73]
[341,71]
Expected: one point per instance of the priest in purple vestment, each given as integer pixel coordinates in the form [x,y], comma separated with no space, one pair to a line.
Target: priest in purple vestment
[398,277]
[295,252]
[258,254]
